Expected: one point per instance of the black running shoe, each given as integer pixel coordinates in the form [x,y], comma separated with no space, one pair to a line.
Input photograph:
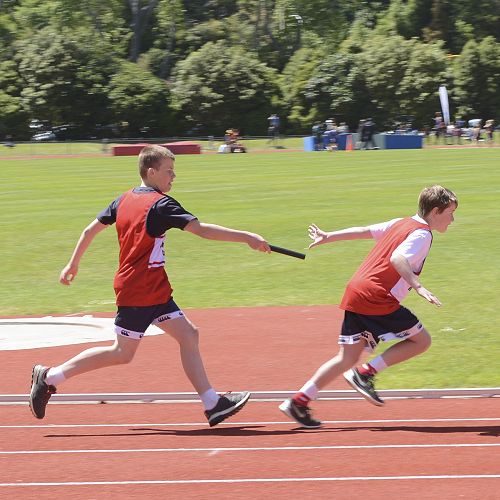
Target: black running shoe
[228,404]
[40,391]
[301,414]
[364,384]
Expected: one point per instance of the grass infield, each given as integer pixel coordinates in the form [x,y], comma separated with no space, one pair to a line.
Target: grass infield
[45,203]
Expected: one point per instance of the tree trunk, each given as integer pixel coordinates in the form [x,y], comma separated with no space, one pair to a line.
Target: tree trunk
[140,17]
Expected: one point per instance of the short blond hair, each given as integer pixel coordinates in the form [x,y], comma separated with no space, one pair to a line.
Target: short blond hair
[151,156]
[435,196]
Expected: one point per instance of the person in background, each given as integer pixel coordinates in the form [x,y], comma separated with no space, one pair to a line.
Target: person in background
[361,125]
[330,135]
[273,129]
[439,127]
[317,133]
[9,141]
[368,134]
[489,129]
[457,130]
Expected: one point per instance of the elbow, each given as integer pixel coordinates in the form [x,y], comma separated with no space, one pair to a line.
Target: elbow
[394,260]
[398,262]
[88,232]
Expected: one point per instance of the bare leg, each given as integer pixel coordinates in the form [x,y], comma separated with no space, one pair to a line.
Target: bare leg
[407,349]
[346,358]
[186,334]
[121,352]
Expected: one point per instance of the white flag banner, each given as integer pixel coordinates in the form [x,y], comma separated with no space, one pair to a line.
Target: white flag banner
[443,97]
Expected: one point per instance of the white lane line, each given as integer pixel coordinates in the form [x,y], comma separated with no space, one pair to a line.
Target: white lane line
[245,449]
[256,480]
[235,424]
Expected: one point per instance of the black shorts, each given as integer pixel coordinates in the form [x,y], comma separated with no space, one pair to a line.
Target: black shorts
[131,321]
[399,325]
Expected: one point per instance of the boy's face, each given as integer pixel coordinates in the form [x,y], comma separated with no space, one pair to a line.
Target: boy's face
[162,177]
[441,220]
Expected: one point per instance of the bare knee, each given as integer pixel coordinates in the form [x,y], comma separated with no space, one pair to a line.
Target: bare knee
[123,354]
[125,357]
[189,339]
[423,340]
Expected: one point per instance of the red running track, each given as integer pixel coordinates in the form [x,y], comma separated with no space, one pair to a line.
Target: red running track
[435,449]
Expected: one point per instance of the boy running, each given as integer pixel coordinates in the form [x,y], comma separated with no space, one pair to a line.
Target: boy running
[372,300]
[143,291]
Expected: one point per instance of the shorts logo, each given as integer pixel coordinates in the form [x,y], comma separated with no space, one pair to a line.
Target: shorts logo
[127,333]
[401,335]
[166,317]
[372,343]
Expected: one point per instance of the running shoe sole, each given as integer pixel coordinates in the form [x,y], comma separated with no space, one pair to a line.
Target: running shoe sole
[219,417]
[349,376]
[37,376]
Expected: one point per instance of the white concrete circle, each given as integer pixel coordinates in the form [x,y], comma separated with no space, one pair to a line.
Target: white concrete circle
[50,331]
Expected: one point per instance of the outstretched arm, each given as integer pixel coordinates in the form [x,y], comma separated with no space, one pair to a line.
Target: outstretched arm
[321,237]
[221,233]
[403,267]
[88,234]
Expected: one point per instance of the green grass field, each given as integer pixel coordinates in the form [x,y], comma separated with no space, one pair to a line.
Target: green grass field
[45,203]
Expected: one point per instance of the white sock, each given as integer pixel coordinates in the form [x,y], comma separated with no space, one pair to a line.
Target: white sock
[378,364]
[55,376]
[209,399]
[310,390]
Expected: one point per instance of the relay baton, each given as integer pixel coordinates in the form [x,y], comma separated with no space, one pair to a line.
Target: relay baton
[285,251]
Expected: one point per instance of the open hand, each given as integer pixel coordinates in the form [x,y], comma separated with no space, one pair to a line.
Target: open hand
[429,296]
[317,235]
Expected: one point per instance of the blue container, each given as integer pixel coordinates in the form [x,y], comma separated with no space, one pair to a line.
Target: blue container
[309,143]
[342,141]
[395,141]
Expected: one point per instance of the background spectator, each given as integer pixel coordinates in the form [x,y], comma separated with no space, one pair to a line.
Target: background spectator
[273,130]
[489,129]
[367,135]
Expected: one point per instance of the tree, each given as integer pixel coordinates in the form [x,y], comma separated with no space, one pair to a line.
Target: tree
[477,80]
[220,87]
[402,77]
[140,100]
[13,119]
[141,14]
[425,71]
[294,81]
[169,31]
[65,76]
[407,18]
[476,20]
[337,90]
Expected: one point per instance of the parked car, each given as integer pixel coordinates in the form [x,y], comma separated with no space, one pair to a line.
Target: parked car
[44,136]
[70,132]
[59,133]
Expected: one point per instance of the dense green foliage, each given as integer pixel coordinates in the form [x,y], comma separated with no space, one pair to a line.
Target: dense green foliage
[167,67]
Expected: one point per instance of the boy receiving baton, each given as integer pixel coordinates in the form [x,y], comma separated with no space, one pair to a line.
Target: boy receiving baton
[372,299]
[143,292]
